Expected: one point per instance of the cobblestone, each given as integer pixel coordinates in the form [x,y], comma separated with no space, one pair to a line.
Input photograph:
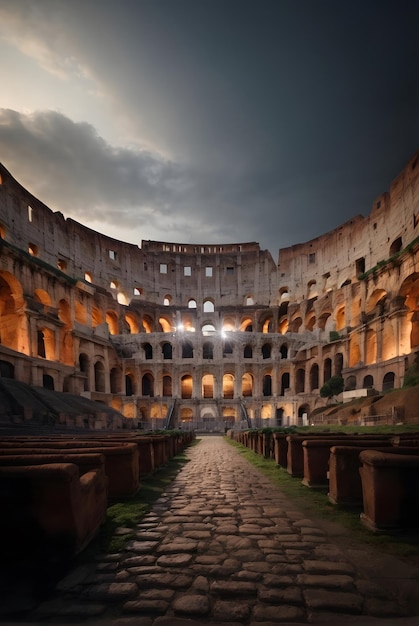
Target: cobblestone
[225,547]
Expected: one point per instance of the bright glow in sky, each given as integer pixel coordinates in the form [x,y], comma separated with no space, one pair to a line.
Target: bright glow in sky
[210,121]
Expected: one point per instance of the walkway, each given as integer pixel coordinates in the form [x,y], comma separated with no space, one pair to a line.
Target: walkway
[223,546]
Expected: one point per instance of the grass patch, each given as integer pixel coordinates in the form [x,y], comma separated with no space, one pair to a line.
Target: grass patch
[127,513]
[316,504]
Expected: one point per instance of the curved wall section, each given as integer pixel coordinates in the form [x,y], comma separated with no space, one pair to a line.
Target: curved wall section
[216,330]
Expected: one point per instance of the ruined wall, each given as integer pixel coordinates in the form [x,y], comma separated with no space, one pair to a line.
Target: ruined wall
[99,316]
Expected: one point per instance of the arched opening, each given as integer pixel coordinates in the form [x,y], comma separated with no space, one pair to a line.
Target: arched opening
[267,385]
[80,313]
[350,383]
[148,351]
[207,350]
[396,246]
[112,322]
[314,377]
[191,304]
[266,351]
[165,325]
[133,323]
[246,326]
[208,386]
[129,385]
[7,370]
[388,381]
[167,386]
[208,329]
[147,324]
[13,326]
[227,348]
[327,370]
[97,317]
[228,386]
[368,382]
[99,369]
[340,318]
[285,383]
[187,350]
[247,385]
[147,385]
[209,306]
[283,351]
[338,364]
[186,387]
[167,351]
[48,382]
[248,352]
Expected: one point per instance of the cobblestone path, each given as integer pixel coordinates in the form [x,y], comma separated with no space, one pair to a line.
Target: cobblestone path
[223,546]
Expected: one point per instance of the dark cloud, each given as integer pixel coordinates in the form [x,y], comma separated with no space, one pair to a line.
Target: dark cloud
[282,119]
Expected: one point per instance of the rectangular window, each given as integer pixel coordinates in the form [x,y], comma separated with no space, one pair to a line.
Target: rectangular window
[230,270]
[187,271]
[312,257]
[112,255]
[163,268]
[208,272]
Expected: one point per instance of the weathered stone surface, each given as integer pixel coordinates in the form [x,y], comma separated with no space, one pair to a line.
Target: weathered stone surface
[173,581]
[280,613]
[233,588]
[192,604]
[146,606]
[327,567]
[332,581]
[174,560]
[111,592]
[231,611]
[286,595]
[333,600]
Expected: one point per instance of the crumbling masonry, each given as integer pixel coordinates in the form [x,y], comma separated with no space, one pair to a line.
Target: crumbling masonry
[211,334]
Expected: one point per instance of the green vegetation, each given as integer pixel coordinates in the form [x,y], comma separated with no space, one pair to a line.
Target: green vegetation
[316,504]
[333,387]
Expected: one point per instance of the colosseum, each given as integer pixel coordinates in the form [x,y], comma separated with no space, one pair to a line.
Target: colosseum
[207,336]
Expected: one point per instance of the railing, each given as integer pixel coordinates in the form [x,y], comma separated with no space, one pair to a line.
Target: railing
[169,416]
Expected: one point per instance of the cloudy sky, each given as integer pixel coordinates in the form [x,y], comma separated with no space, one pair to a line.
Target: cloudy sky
[209,121]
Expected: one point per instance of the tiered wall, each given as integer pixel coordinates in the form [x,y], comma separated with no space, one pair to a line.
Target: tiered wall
[216,327]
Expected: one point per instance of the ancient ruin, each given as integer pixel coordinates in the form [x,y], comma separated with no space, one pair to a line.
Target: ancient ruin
[207,336]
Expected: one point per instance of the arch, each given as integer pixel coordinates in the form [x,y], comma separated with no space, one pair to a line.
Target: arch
[147,385]
[227,348]
[64,313]
[340,318]
[165,324]
[208,306]
[147,324]
[312,291]
[167,300]
[46,343]
[99,370]
[396,246]
[247,385]
[122,298]
[310,321]
[186,386]
[129,384]
[13,325]
[187,350]
[186,415]
[283,326]
[192,303]
[167,386]
[133,323]
[48,382]
[266,351]
[208,386]
[228,325]
[376,299]
[368,382]
[42,296]
[208,329]
[167,351]
[283,351]
[314,377]
[267,385]
[148,351]
[249,301]
[284,295]
[327,369]
[324,320]
[7,370]
[295,324]
[266,324]
[388,381]
[112,322]
[207,350]
[350,383]
[338,364]
[228,386]
[246,325]
[248,351]
[285,383]
[187,324]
